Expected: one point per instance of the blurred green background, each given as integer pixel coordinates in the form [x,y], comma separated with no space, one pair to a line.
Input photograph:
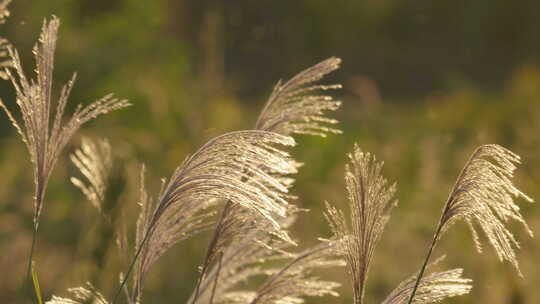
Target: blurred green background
[425,82]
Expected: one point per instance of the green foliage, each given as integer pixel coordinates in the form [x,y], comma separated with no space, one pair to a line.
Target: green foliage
[35,283]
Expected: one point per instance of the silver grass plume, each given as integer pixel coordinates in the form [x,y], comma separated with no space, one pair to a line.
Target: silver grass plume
[433,288]
[483,195]
[245,257]
[239,227]
[4,12]
[45,139]
[370,203]
[80,295]
[46,142]
[294,281]
[235,167]
[5,62]
[295,107]
[94,161]
[178,222]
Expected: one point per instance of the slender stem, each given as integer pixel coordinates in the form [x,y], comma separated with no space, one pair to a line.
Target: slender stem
[40,186]
[218,270]
[216,279]
[31,255]
[26,286]
[264,288]
[442,220]
[211,247]
[423,269]
[199,281]
[139,251]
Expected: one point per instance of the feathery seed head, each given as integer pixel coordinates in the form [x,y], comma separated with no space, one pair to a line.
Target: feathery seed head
[294,107]
[484,195]
[44,141]
[94,160]
[370,203]
[237,166]
[432,289]
[4,43]
[81,295]
[289,284]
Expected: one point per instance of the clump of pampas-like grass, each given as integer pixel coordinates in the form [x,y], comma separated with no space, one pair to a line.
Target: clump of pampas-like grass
[238,186]
[370,203]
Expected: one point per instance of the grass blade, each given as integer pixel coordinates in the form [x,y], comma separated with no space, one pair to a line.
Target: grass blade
[37,290]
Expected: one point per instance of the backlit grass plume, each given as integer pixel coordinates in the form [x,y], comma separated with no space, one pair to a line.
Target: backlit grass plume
[80,295]
[44,132]
[294,106]
[4,12]
[433,288]
[370,203]
[247,243]
[483,195]
[233,167]
[248,256]
[94,160]
[294,281]
[4,43]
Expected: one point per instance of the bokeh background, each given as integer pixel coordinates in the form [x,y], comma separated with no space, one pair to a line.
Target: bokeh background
[425,82]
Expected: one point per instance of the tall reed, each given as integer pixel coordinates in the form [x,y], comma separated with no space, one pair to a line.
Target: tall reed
[41,128]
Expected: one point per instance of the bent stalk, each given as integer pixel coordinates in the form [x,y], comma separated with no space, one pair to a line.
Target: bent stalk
[426,261]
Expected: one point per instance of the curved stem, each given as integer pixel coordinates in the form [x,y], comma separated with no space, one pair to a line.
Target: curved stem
[264,288]
[442,220]
[31,255]
[424,266]
[26,285]
[211,248]
[132,264]
[216,279]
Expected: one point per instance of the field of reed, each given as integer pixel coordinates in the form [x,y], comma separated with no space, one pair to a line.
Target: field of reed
[169,168]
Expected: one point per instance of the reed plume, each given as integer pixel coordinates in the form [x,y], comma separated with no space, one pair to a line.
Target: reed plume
[484,195]
[4,12]
[253,246]
[235,167]
[294,281]
[80,295]
[370,203]
[433,288]
[293,107]
[5,62]
[94,161]
[46,135]
[251,243]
